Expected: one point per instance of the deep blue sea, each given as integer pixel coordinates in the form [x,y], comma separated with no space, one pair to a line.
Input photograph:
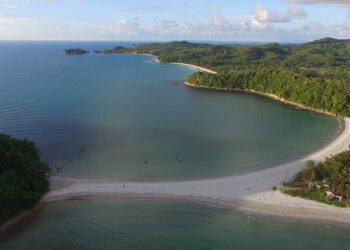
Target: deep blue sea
[106,116]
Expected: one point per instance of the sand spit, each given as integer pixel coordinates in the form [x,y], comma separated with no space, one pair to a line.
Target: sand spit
[250,192]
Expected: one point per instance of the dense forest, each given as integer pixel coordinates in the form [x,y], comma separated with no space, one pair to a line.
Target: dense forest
[332,175]
[23,177]
[315,74]
[327,94]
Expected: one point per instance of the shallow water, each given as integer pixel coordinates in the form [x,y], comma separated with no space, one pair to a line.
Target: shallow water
[103,116]
[137,224]
[106,116]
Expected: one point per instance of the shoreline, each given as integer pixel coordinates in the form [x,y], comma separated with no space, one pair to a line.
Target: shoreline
[18,218]
[251,192]
[188,65]
[249,91]
[272,96]
[183,64]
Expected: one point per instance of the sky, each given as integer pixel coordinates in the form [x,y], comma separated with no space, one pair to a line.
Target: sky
[164,20]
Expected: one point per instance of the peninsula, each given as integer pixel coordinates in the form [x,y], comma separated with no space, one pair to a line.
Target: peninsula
[314,75]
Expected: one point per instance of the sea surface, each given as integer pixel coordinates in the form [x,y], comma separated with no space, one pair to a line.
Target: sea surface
[126,117]
[147,224]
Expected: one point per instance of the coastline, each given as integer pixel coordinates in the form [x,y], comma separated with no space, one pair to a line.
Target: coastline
[272,96]
[249,91]
[183,64]
[251,192]
[18,218]
[189,65]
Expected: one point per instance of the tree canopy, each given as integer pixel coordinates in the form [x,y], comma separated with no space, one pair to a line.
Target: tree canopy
[334,171]
[23,177]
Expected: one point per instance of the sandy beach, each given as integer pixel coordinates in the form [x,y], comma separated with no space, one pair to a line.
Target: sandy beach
[250,192]
[192,66]
[184,64]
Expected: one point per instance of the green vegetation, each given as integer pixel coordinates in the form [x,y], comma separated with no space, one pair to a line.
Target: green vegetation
[313,194]
[332,175]
[116,50]
[23,177]
[76,51]
[315,74]
[326,94]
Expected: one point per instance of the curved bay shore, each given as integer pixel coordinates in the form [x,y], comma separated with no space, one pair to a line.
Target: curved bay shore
[249,91]
[250,192]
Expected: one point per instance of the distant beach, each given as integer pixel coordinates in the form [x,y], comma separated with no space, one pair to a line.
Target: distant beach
[190,65]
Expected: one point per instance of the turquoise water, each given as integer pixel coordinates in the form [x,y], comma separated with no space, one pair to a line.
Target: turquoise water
[136,224]
[103,116]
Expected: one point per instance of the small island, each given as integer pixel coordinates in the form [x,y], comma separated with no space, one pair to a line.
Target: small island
[75,51]
[23,178]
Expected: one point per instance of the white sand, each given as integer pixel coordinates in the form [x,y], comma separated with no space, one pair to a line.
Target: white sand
[250,192]
[192,66]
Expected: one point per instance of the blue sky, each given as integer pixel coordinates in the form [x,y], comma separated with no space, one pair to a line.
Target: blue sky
[155,20]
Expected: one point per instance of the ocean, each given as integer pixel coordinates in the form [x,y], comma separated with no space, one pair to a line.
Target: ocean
[126,117]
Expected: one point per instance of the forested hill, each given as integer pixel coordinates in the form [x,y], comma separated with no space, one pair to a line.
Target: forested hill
[315,74]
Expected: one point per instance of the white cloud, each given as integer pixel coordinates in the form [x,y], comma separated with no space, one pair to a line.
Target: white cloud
[294,11]
[52,1]
[122,28]
[13,7]
[219,22]
[144,7]
[262,25]
[342,3]
[212,6]
[168,25]
[262,15]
